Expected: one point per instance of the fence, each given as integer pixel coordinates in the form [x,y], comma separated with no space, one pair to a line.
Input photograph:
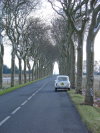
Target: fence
[7,80]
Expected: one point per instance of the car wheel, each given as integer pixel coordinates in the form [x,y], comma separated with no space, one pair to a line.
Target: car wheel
[55,89]
[68,89]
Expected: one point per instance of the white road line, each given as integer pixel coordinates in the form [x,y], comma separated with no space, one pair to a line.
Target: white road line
[8,117]
[36,92]
[24,102]
[33,94]
[4,120]
[15,110]
[29,97]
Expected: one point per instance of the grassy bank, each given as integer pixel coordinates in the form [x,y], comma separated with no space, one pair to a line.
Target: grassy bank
[90,115]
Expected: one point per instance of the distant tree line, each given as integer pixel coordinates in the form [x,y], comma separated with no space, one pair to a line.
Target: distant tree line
[7,70]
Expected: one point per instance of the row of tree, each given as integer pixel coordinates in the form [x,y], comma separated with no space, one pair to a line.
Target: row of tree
[28,37]
[79,21]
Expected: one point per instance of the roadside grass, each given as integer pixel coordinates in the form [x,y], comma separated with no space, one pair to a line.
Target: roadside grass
[89,115]
[10,89]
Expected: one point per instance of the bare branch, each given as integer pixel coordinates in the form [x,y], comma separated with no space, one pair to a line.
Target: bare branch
[55,9]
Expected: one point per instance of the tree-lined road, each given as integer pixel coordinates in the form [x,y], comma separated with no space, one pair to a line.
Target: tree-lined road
[37,108]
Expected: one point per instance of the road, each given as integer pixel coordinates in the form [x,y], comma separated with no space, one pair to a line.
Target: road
[37,108]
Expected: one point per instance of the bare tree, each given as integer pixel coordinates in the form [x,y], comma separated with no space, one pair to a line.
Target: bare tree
[94,27]
[16,13]
[74,12]
[1,45]
[80,14]
[64,48]
[39,45]
[59,34]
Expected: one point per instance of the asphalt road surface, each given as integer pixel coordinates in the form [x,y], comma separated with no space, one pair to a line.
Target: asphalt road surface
[37,108]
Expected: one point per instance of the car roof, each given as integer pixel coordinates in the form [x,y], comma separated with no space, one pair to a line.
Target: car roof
[62,76]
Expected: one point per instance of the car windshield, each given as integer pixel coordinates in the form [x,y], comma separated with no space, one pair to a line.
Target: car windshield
[62,78]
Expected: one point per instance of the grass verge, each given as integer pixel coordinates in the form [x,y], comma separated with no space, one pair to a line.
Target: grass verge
[4,91]
[90,115]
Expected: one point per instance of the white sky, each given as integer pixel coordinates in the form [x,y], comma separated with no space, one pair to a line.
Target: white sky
[47,14]
[56,69]
[97,47]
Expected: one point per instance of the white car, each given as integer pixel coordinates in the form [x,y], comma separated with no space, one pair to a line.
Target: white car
[62,82]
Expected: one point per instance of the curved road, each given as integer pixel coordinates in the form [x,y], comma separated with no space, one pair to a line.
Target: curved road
[37,108]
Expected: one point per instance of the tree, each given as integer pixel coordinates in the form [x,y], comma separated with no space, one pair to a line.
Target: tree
[1,46]
[83,14]
[16,13]
[73,14]
[60,36]
[94,27]
[38,42]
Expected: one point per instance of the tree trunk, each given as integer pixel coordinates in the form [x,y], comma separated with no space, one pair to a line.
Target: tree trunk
[63,68]
[1,46]
[1,63]
[68,62]
[24,70]
[12,68]
[60,65]
[72,68]
[39,69]
[33,72]
[1,68]
[29,71]
[43,72]
[29,74]
[79,64]
[90,69]
[36,70]
[93,30]
[20,70]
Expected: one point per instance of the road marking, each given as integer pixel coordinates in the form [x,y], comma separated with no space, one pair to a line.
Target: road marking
[4,120]
[24,102]
[8,117]
[15,110]
[33,94]
[30,98]
[36,92]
